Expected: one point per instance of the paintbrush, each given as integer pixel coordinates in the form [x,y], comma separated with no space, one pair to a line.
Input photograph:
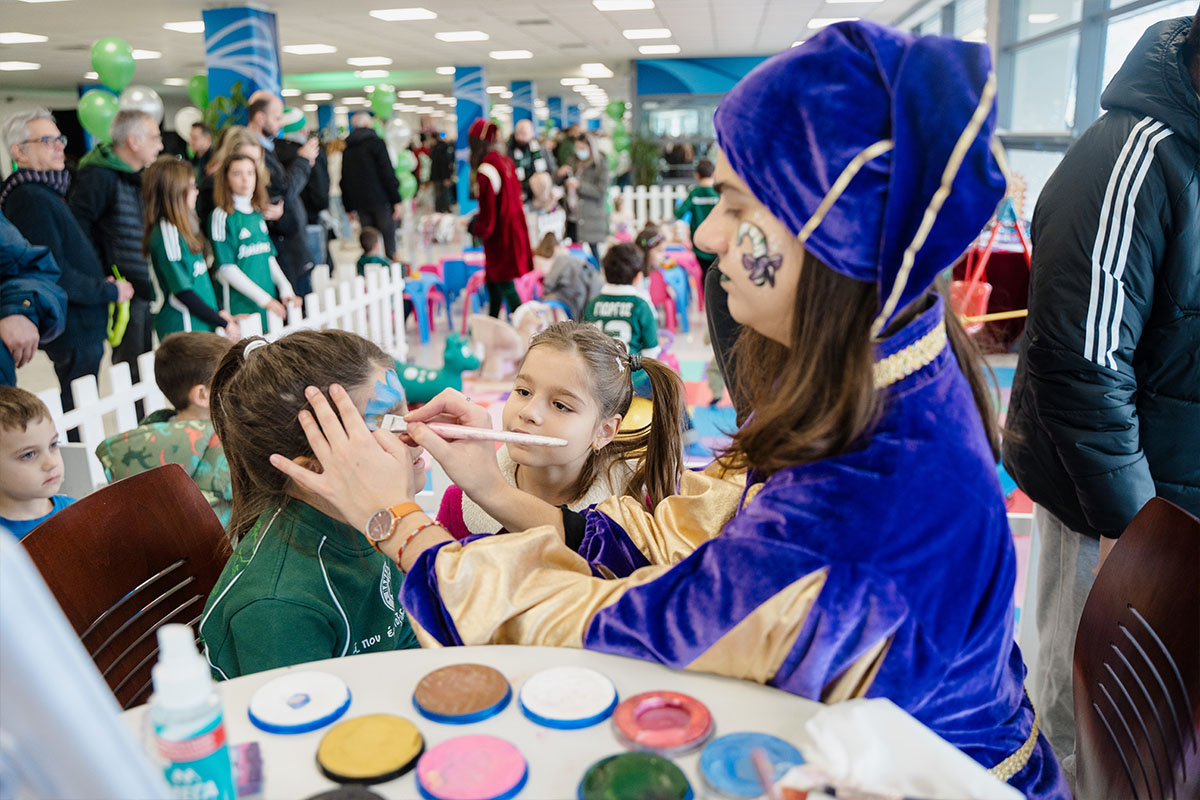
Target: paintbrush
[448,430]
[766,771]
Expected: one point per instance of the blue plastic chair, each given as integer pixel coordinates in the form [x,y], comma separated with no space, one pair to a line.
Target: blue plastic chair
[677,279]
[455,273]
[418,288]
[557,304]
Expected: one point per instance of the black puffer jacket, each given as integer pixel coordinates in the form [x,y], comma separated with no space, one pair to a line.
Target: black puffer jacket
[108,204]
[368,178]
[1105,407]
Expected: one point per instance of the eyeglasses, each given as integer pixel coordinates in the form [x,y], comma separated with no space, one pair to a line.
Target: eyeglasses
[49,141]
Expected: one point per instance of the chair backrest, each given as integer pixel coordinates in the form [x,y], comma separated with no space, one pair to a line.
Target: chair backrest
[1137,664]
[142,552]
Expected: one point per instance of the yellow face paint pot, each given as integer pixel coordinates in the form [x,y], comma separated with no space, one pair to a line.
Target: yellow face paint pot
[371,749]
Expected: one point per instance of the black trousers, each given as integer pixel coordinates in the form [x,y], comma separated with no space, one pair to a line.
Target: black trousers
[381,220]
[723,331]
[502,292]
[73,359]
[138,339]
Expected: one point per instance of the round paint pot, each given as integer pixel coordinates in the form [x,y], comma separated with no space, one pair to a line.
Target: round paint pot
[462,693]
[568,697]
[472,768]
[299,702]
[371,749]
[634,776]
[727,767]
[349,792]
[668,723]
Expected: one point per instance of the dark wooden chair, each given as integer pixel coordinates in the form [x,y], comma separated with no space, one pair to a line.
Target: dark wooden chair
[142,552]
[1137,664]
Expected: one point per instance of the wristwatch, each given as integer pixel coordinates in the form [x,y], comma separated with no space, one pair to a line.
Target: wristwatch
[382,523]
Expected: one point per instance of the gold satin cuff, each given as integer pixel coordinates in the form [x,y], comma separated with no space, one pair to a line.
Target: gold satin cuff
[705,503]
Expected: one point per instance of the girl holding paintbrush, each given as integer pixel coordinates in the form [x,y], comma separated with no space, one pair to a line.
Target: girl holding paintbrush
[853,539]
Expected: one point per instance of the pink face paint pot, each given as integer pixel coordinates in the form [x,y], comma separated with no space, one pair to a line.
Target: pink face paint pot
[668,723]
[472,768]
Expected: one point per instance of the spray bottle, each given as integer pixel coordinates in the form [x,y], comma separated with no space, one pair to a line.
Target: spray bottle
[189,727]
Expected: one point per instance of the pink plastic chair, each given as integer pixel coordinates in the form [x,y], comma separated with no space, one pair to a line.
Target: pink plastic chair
[529,286]
[471,302]
[661,298]
[433,269]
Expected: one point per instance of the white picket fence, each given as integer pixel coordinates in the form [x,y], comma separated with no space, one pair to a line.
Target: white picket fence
[371,306]
[650,203]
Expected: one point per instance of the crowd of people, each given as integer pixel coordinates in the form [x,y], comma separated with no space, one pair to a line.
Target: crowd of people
[820,553]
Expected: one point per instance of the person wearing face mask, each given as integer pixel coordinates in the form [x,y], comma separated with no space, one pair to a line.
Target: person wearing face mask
[589,182]
[821,554]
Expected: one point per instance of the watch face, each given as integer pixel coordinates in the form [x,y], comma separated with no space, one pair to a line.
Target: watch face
[380,525]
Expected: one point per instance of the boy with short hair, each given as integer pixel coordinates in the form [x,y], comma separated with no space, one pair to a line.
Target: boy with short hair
[184,435]
[31,466]
[699,203]
[371,241]
[621,309]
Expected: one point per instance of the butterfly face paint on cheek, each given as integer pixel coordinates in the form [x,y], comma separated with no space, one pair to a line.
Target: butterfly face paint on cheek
[385,398]
[760,262]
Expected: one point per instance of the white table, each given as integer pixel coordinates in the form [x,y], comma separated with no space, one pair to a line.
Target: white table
[384,682]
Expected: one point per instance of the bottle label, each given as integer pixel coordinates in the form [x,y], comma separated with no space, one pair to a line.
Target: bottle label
[199,766]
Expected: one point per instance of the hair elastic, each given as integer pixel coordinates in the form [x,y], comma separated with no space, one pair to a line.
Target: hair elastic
[635,362]
[252,346]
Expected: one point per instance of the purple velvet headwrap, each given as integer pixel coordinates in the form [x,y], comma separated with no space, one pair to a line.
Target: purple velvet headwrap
[791,127]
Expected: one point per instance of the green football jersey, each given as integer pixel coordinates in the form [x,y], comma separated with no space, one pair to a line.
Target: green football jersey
[699,203]
[175,269]
[241,239]
[624,313]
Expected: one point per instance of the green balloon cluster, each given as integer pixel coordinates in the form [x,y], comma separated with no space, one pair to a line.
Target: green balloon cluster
[96,111]
[198,90]
[406,161]
[112,59]
[382,100]
[615,110]
[408,185]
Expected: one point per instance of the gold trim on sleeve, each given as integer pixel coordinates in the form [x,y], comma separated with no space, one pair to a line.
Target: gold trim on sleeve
[918,354]
[1016,762]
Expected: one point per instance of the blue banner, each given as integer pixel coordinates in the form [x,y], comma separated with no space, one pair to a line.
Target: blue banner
[470,90]
[574,115]
[692,75]
[325,118]
[555,106]
[241,45]
[523,100]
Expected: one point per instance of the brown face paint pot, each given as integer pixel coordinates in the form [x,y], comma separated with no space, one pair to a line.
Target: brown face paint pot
[372,749]
[462,693]
[668,723]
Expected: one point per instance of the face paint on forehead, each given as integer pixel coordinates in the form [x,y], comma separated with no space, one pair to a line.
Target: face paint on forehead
[760,262]
[385,397]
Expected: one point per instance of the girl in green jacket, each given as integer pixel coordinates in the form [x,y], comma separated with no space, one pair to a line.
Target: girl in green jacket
[301,585]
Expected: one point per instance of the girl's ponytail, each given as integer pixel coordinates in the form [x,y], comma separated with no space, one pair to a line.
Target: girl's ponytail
[661,459]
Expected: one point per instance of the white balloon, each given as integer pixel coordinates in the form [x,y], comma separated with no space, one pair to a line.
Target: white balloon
[142,98]
[185,118]
[397,133]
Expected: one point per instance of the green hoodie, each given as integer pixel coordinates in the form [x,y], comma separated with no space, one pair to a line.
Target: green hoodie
[102,155]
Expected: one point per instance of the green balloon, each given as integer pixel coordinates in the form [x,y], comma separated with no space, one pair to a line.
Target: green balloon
[382,100]
[620,141]
[96,111]
[112,58]
[198,90]
[408,185]
[406,161]
[613,162]
[615,109]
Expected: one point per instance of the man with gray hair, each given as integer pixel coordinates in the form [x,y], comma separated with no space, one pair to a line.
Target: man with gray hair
[528,156]
[33,199]
[370,189]
[107,201]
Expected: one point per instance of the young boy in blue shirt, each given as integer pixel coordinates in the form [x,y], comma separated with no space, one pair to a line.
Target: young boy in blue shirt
[31,466]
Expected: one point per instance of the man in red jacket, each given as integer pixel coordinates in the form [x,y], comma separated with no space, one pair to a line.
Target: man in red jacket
[500,223]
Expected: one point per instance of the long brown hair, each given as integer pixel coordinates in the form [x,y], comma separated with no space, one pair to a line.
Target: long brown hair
[816,398]
[223,196]
[165,186]
[255,400]
[229,141]
[657,448]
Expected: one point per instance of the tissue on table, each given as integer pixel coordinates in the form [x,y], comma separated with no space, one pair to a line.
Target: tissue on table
[874,746]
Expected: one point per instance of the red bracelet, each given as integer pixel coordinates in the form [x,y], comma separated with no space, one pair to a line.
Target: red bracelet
[409,538]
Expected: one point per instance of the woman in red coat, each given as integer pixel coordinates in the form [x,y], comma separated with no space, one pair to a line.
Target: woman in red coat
[500,223]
